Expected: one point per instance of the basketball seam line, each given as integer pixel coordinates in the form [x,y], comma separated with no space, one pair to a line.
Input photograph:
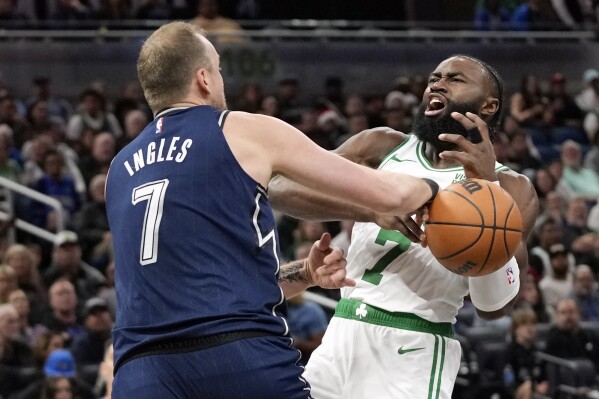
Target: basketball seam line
[481,226]
[475,225]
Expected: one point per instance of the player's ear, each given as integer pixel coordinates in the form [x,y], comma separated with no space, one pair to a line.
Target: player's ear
[202,80]
[489,107]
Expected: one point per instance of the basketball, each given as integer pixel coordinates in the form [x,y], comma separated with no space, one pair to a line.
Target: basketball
[474,227]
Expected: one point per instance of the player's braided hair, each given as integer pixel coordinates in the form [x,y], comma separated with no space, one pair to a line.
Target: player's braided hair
[493,122]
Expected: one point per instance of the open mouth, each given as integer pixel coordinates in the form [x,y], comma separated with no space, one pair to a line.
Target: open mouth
[435,106]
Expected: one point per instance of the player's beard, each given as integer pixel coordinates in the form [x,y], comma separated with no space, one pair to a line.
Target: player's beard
[428,129]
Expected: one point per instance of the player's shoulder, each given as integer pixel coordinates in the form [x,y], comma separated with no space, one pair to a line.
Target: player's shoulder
[511,177]
[371,146]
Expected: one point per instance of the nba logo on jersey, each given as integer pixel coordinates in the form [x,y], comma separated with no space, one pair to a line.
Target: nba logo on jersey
[510,276]
[159,125]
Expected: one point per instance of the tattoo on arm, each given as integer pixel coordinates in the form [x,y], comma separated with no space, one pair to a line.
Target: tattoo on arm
[293,272]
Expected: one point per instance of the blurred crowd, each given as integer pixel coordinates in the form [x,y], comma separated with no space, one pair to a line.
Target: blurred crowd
[221,14]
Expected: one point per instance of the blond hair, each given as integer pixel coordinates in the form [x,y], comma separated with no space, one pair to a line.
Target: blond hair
[168,60]
[11,275]
[522,317]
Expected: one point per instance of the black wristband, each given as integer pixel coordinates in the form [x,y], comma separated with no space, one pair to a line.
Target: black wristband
[434,188]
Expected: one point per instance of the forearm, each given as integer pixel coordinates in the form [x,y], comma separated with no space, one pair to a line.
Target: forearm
[293,278]
[301,202]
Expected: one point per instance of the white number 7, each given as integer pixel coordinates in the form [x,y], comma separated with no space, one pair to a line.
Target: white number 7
[153,192]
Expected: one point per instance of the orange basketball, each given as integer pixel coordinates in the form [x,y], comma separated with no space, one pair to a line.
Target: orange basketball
[474,227]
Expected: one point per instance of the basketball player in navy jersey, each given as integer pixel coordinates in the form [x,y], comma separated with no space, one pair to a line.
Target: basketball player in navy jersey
[200,293]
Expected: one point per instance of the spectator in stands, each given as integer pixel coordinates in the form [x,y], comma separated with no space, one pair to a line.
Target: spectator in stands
[8,11]
[131,99]
[250,98]
[318,127]
[39,117]
[585,293]
[583,181]
[287,96]
[307,324]
[103,151]
[354,104]
[270,106]
[9,376]
[57,107]
[88,348]
[16,352]
[491,15]
[135,122]
[34,155]
[533,15]
[410,102]
[154,9]
[588,99]
[304,232]
[92,226]
[209,19]
[70,10]
[549,233]
[591,128]
[67,264]
[521,154]
[567,339]
[563,107]
[355,124]
[62,315]
[9,168]
[60,380]
[528,106]
[55,183]
[529,373]
[112,10]
[544,183]
[108,293]
[9,115]
[558,283]
[92,116]
[556,168]
[576,221]
[8,282]
[28,333]
[20,258]
[55,133]
[46,344]
[574,14]
[396,118]
[330,126]
[531,298]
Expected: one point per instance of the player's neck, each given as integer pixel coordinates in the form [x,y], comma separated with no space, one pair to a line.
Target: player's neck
[432,154]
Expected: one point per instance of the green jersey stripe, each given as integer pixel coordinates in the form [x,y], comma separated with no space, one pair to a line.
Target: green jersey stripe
[433,369]
[443,344]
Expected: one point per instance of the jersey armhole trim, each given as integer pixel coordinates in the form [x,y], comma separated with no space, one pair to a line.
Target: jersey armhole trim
[222,117]
[390,154]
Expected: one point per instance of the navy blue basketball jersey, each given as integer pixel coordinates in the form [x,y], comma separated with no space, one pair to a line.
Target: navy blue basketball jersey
[194,236]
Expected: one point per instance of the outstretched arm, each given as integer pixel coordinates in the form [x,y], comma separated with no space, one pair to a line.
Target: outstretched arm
[324,266]
[266,146]
[367,148]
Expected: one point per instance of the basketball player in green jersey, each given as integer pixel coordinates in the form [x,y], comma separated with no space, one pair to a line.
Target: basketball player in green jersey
[391,336]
